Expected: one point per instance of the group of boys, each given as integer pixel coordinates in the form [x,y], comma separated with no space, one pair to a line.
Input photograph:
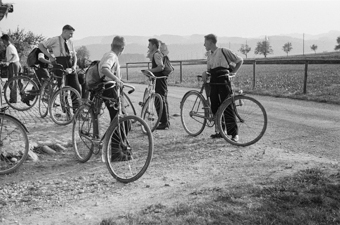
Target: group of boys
[60,49]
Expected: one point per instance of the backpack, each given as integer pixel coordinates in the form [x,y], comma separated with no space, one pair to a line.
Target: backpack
[92,77]
[168,68]
[32,58]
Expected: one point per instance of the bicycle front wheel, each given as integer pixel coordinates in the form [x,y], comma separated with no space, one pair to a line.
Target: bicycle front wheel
[26,88]
[152,111]
[13,144]
[83,133]
[64,105]
[127,149]
[193,113]
[45,93]
[244,116]
[128,106]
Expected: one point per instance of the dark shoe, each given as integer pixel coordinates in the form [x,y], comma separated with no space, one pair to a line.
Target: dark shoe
[26,101]
[120,157]
[162,126]
[216,135]
[12,101]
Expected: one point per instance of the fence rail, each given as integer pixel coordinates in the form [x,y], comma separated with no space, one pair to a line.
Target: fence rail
[254,62]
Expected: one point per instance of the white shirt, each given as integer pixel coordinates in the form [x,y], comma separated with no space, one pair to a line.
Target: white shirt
[54,44]
[110,61]
[10,51]
[217,59]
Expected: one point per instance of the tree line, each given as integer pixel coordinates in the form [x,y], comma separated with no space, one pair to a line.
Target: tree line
[264,48]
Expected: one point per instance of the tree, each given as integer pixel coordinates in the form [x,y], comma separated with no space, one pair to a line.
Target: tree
[287,47]
[23,41]
[314,47]
[83,56]
[263,48]
[337,47]
[245,49]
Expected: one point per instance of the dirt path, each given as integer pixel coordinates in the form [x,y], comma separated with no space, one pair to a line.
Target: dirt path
[59,190]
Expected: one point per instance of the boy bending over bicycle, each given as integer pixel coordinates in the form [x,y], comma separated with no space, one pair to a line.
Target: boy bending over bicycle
[220,63]
[109,70]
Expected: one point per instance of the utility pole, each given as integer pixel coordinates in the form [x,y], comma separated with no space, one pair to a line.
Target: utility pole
[303,44]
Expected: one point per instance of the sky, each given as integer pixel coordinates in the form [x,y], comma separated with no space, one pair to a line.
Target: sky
[241,18]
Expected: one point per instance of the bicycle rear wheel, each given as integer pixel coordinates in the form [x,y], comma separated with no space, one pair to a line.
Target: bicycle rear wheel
[13,144]
[193,113]
[250,117]
[64,105]
[83,133]
[152,111]
[26,88]
[127,137]
[128,106]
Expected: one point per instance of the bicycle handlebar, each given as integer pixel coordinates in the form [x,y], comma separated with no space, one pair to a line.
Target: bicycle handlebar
[150,75]
[124,85]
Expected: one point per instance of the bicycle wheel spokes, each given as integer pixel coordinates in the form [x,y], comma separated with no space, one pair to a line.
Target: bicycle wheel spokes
[82,133]
[152,111]
[19,90]
[44,96]
[63,105]
[128,150]
[13,144]
[250,117]
[193,113]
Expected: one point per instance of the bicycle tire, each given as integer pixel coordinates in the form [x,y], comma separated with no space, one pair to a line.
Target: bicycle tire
[63,105]
[149,111]
[128,106]
[145,95]
[14,144]
[140,144]
[193,113]
[28,85]
[44,96]
[251,120]
[83,133]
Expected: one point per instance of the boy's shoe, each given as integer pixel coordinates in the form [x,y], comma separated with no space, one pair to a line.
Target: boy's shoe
[26,101]
[162,126]
[216,135]
[235,138]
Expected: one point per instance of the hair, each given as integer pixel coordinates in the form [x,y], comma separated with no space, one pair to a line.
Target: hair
[154,41]
[211,37]
[68,27]
[118,42]
[5,37]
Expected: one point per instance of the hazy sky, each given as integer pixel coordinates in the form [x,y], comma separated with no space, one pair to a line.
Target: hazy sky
[242,18]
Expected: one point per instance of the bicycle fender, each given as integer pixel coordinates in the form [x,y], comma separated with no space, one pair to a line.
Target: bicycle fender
[16,120]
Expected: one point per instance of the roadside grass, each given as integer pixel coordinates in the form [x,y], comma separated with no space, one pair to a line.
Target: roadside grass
[323,83]
[307,197]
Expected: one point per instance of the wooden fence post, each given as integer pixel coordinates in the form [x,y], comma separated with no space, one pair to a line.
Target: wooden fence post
[254,79]
[305,78]
[127,71]
[180,72]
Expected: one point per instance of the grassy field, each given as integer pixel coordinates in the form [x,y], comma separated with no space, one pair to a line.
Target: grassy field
[308,197]
[323,83]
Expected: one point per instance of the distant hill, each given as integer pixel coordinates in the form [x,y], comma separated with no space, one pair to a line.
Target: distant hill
[191,47]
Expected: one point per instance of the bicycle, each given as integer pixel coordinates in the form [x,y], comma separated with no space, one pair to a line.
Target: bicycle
[152,104]
[86,140]
[25,84]
[250,115]
[60,102]
[14,143]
